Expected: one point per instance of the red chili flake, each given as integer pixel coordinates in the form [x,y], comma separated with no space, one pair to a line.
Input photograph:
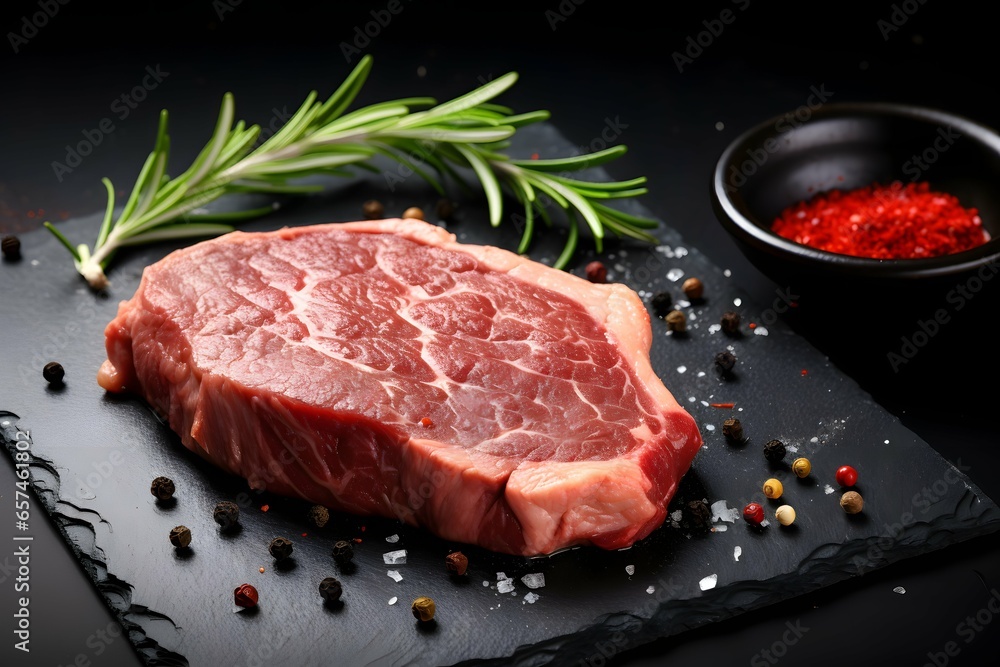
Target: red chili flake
[305,534]
[426,422]
[534,156]
[894,221]
[752,325]
[364,528]
[264,508]
[357,540]
[31,214]
[805,372]
[723,405]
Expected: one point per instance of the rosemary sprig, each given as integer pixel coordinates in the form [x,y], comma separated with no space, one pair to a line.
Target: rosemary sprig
[323,138]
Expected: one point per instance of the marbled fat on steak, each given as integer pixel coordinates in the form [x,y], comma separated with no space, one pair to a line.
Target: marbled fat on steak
[382,368]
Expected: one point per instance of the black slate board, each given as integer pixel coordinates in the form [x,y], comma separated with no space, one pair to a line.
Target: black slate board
[94,456]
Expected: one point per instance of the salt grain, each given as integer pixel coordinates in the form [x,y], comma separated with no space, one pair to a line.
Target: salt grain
[673,275]
[677,515]
[534,580]
[691,399]
[392,539]
[651,589]
[708,582]
[720,512]
[395,557]
[630,569]
[393,600]
[705,403]
[714,328]
[721,528]
[682,369]
[828,489]
[531,598]
[501,576]
[395,576]
[737,552]
[505,586]
[899,589]
[737,302]
[727,273]
[486,583]
[760,331]
[709,427]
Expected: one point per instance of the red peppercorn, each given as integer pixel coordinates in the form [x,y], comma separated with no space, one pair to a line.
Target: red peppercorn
[245,596]
[596,272]
[847,476]
[753,514]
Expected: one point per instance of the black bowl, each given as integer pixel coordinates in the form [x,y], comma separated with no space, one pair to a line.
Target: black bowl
[792,157]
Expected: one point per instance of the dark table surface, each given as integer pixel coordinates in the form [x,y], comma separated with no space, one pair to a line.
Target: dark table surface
[608,72]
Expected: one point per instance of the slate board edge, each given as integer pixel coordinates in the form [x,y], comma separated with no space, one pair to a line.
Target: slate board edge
[65,514]
[620,632]
[614,632]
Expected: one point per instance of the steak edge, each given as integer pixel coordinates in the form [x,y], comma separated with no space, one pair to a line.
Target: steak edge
[380,367]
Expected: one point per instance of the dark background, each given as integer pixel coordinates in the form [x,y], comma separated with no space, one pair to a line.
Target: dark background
[606,63]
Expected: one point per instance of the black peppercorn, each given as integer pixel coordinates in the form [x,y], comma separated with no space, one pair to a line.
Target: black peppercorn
[698,514]
[373,209]
[733,430]
[280,548]
[725,360]
[343,552]
[730,323]
[330,590]
[53,372]
[662,303]
[226,514]
[11,247]
[180,536]
[774,450]
[163,488]
[445,209]
[319,515]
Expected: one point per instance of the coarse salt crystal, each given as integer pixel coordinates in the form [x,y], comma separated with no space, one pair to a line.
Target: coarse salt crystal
[828,489]
[630,569]
[720,512]
[709,427]
[727,273]
[534,580]
[705,403]
[760,331]
[505,586]
[701,374]
[714,328]
[737,552]
[721,528]
[899,589]
[531,598]
[673,275]
[392,539]
[395,557]
[393,600]
[737,302]
[651,589]
[682,369]
[691,399]
[486,583]
[501,576]
[677,515]
[395,576]
[708,582]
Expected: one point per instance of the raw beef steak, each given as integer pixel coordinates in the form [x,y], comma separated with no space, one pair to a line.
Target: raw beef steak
[382,368]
